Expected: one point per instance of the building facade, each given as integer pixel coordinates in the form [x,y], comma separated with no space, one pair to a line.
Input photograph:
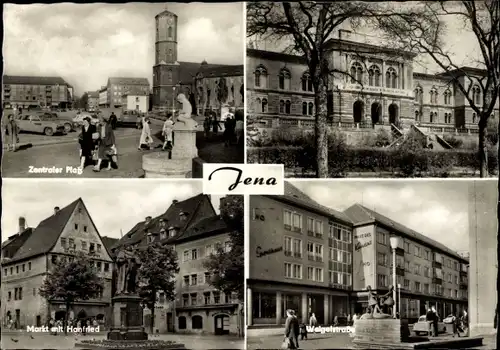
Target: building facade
[197,81]
[136,101]
[381,89]
[313,259]
[116,87]
[103,97]
[92,101]
[28,257]
[35,92]
[483,228]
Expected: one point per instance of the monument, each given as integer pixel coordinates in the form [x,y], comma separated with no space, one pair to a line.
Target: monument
[127,329]
[177,162]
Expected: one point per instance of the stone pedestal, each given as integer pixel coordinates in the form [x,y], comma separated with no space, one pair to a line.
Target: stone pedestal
[158,164]
[127,319]
[388,330]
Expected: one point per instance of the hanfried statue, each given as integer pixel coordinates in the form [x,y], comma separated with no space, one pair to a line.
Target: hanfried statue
[127,266]
[377,302]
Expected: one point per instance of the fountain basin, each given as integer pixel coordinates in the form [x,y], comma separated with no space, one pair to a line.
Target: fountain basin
[129,344]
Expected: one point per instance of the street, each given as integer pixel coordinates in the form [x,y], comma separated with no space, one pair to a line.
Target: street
[314,341]
[25,340]
[62,155]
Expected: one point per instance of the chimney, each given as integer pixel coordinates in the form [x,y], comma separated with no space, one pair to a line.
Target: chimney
[175,201]
[22,224]
[56,210]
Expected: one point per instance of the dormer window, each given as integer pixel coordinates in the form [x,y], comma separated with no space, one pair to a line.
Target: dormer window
[171,232]
[163,234]
[183,215]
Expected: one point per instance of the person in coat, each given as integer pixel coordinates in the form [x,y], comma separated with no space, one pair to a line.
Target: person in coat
[146,139]
[107,147]
[12,131]
[87,141]
[292,330]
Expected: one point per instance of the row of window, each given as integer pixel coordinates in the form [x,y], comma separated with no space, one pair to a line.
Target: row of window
[18,294]
[316,274]
[196,322]
[434,117]
[200,253]
[292,221]
[207,298]
[374,76]
[193,280]
[18,268]
[293,247]
[99,265]
[120,88]
[261,78]
[69,243]
[424,288]
[286,107]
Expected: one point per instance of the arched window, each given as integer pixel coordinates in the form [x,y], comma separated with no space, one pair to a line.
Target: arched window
[447,97]
[282,106]
[182,322]
[476,95]
[261,77]
[416,115]
[374,76]
[304,108]
[288,107]
[473,118]
[307,82]
[196,322]
[356,73]
[434,95]
[170,32]
[311,108]
[431,117]
[391,78]
[264,105]
[284,79]
[258,105]
[419,94]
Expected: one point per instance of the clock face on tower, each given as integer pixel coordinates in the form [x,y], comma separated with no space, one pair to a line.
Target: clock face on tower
[170,21]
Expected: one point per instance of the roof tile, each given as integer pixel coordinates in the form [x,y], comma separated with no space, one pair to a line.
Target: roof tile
[33,80]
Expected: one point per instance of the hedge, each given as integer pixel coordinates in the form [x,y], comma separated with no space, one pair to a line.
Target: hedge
[342,160]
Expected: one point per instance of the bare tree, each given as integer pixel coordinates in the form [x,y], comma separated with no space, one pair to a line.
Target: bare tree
[425,34]
[308,26]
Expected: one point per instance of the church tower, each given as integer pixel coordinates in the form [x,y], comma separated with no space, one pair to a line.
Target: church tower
[166,78]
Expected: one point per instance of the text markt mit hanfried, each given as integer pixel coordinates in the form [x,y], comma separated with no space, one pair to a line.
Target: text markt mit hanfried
[60,329]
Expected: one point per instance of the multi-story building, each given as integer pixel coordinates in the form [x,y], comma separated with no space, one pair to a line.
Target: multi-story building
[116,87]
[195,80]
[136,100]
[313,259]
[29,255]
[382,89]
[300,259]
[33,92]
[92,101]
[103,97]
[193,228]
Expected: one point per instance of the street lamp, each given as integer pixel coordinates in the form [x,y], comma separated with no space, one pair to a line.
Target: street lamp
[394,244]
[173,102]
[340,86]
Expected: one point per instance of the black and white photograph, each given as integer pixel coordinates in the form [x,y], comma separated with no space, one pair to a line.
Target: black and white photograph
[122,90]
[374,89]
[121,265]
[373,264]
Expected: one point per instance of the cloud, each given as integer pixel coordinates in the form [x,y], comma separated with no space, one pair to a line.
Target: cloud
[436,209]
[113,205]
[87,43]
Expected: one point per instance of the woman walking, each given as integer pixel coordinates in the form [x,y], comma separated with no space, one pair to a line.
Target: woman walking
[87,141]
[12,131]
[107,148]
[146,140]
[292,330]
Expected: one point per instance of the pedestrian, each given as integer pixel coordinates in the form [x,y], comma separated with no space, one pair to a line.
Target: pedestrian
[349,319]
[146,139]
[312,320]
[435,321]
[239,116]
[168,134]
[292,330]
[107,147]
[336,321]
[355,317]
[456,325]
[12,133]
[215,124]
[227,132]
[113,120]
[87,142]
[303,331]
[206,126]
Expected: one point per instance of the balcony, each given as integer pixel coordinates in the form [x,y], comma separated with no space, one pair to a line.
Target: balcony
[319,259]
[310,257]
[400,271]
[6,88]
[437,280]
[400,251]
[463,274]
[464,286]
[310,233]
[287,227]
[297,229]
[319,235]
[288,252]
[437,264]
[297,255]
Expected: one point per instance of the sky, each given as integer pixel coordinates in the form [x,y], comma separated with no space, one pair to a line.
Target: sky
[436,209]
[114,205]
[460,42]
[87,43]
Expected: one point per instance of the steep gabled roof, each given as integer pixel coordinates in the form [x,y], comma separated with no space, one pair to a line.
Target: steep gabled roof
[128,81]
[294,196]
[46,234]
[14,242]
[201,229]
[188,71]
[137,235]
[135,91]
[361,215]
[222,71]
[31,80]
[109,242]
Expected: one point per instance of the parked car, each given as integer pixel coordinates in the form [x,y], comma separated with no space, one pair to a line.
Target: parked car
[40,124]
[127,118]
[69,125]
[448,319]
[422,326]
[80,116]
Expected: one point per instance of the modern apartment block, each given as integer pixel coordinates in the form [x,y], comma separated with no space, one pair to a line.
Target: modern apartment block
[118,86]
[313,259]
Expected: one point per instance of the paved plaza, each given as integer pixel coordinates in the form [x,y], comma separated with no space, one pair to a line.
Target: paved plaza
[314,341]
[25,340]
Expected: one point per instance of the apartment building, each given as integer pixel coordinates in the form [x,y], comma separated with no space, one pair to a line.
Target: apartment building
[136,100]
[29,255]
[300,259]
[118,86]
[92,101]
[103,96]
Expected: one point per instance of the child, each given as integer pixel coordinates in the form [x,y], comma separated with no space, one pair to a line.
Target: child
[303,331]
[168,128]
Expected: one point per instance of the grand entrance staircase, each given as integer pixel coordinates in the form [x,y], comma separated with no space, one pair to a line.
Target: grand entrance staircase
[433,141]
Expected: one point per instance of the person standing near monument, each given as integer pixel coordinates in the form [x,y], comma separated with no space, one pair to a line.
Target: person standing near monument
[168,133]
[185,114]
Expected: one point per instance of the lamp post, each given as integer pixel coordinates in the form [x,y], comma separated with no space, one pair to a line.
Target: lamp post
[399,299]
[394,244]
[173,102]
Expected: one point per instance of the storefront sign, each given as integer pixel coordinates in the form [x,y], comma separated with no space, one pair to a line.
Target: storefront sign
[363,259]
[359,245]
[261,252]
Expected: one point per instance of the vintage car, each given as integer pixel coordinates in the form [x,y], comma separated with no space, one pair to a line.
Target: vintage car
[69,125]
[129,118]
[40,124]
[448,319]
[80,116]
[422,326]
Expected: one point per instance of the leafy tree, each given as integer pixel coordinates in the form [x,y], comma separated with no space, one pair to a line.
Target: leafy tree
[71,281]
[157,273]
[227,268]
[83,101]
[422,28]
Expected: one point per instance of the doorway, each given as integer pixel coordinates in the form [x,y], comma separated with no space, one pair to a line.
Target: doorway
[38,321]
[393,114]
[170,322]
[357,111]
[60,315]
[375,112]
[221,324]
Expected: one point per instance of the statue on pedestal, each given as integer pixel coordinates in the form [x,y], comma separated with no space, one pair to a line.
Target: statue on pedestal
[127,265]
[185,114]
[376,302]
